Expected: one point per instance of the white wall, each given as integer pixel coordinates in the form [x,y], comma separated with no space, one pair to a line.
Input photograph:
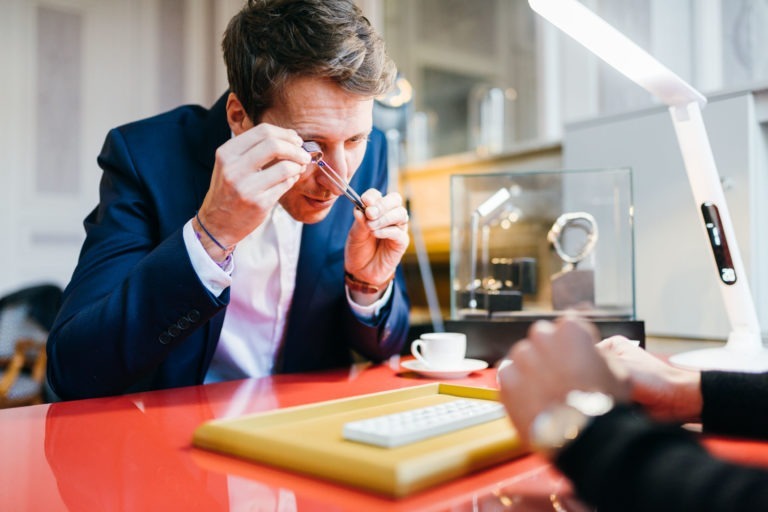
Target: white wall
[677,284]
[71,70]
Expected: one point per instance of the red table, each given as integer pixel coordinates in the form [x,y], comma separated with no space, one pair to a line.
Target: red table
[134,453]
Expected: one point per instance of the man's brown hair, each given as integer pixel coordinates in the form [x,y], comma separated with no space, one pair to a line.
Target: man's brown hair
[270,42]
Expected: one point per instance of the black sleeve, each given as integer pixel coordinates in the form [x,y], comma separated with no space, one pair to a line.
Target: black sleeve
[624,462]
[735,403]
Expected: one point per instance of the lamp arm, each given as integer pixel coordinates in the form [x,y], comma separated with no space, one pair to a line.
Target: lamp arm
[708,195]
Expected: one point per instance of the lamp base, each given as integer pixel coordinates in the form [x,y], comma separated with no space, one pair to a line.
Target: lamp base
[723,358]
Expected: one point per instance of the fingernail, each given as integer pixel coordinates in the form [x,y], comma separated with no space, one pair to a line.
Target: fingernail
[543,327]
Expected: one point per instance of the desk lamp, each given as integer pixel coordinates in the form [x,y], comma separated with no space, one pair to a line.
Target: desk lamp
[744,350]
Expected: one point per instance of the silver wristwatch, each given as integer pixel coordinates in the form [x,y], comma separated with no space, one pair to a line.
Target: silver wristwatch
[558,425]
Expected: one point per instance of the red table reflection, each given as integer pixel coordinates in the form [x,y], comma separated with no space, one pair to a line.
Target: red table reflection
[134,453]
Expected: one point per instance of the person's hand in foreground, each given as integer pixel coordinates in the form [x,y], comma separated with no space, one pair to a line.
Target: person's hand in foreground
[553,360]
[666,392]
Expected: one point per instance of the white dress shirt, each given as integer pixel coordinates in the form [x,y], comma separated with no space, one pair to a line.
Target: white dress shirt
[262,278]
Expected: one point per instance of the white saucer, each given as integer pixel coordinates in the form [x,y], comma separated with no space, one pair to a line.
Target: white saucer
[467,366]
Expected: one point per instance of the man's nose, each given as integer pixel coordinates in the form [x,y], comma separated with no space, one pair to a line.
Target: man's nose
[336,159]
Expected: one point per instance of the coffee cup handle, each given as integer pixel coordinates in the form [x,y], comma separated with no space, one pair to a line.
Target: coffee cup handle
[417,353]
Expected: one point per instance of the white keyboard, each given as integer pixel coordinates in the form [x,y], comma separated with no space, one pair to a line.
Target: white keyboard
[401,428]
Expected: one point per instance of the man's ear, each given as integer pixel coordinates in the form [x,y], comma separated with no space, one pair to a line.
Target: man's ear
[236,116]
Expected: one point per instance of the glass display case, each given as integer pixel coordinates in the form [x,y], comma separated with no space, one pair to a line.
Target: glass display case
[529,245]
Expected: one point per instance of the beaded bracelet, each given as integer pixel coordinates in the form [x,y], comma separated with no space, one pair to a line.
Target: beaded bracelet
[223,264]
[227,251]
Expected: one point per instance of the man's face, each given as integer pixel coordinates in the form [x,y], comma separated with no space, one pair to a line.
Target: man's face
[339,122]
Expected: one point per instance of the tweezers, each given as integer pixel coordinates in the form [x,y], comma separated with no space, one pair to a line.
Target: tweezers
[313,148]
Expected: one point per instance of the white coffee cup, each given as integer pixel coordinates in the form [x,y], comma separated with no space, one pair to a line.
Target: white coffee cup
[440,349]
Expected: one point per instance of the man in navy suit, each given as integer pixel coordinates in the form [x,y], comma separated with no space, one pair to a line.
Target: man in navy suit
[219,250]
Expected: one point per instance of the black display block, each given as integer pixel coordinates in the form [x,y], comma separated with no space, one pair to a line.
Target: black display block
[490,340]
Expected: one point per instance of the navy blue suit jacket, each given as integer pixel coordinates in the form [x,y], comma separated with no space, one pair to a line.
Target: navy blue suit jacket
[135,316]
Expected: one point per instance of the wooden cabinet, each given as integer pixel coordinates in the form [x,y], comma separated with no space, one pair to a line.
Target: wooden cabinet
[427,186]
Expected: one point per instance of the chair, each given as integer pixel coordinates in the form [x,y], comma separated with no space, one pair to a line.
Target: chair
[22,384]
[26,317]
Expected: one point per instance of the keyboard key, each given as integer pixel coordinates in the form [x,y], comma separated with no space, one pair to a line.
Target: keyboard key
[392,430]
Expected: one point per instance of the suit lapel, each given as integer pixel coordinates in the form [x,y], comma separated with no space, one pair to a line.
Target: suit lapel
[316,239]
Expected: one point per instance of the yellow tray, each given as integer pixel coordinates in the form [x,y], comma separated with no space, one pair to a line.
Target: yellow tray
[308,439]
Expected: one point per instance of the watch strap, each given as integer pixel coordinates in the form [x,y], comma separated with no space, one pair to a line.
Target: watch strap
[358,285]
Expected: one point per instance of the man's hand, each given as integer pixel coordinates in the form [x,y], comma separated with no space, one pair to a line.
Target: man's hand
[376,242]
[252,171]
[554,359]
[666,392]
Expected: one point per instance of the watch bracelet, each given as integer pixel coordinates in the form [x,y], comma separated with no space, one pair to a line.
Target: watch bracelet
[560,424]
[357,285]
